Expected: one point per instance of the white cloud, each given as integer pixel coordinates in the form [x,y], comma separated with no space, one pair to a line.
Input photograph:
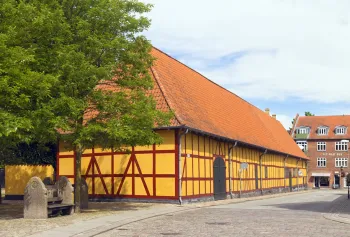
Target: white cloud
[310,40]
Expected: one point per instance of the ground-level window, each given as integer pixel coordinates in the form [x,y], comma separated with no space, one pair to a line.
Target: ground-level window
[321,162]
[341,162]
[321,146]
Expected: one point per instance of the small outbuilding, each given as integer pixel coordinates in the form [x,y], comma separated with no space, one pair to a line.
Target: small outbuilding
[213,135]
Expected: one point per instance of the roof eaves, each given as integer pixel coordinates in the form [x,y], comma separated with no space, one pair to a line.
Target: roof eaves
[228,140]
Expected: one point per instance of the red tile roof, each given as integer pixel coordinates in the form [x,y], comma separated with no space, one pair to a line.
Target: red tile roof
[330,121]
[203,105]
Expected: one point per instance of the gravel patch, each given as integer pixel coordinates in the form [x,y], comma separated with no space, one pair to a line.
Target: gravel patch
[12,222]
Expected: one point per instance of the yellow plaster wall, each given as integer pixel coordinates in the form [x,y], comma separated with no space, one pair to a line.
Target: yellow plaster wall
[209,148]
[17,176]
[164,165]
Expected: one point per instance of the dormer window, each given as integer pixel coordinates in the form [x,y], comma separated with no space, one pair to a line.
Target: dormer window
[340,130]
[322,130]
[302,130]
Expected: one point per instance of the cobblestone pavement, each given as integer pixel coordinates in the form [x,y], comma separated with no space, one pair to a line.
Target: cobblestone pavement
[295,215]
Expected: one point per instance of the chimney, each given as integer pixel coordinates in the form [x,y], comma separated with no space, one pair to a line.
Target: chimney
[267,110]
[274,116]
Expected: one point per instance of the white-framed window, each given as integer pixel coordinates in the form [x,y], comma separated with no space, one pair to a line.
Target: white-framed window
[340,130]
[341,162]
[303,144]
[321,146]
[341,146]
[321,162]
[322,131]
[302,131]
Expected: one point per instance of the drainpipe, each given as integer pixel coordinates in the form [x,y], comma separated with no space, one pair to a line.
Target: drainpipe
[284,171]
[230,167]
[179,166]
[297,175]
[260,160]
[307,175]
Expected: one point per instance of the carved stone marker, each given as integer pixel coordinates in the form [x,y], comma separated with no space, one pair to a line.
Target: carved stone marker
[66,189]
[35,199]
[84,194]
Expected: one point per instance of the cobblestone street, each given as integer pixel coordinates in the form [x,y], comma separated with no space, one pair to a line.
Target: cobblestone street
[295,215]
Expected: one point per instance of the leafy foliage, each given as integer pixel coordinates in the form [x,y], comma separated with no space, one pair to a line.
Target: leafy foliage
[309,114]
[78,71]
[32,154]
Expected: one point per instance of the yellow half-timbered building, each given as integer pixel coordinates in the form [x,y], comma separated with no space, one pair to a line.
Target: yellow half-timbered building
[218,146]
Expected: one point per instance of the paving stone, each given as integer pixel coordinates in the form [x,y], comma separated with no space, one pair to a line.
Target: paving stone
[294,215]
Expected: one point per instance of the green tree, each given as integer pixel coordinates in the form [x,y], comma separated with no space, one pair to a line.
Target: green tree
[309,114]
[81,74]
[33,153]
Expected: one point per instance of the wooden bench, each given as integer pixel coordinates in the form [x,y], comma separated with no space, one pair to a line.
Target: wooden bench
[54,202]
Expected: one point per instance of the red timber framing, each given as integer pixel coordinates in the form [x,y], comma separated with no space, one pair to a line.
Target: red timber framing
[214,148]
[113,182]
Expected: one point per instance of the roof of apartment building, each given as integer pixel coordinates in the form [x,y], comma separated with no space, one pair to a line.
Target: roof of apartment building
[322,127]
[203,105]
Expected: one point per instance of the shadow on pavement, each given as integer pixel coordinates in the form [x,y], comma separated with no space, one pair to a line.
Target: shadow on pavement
[340,205]
[14,209]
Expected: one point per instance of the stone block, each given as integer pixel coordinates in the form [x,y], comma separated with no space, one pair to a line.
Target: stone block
[35,199]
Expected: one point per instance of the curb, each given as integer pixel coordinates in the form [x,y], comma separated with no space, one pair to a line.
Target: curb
[186,207]
[336,218]
[334,214]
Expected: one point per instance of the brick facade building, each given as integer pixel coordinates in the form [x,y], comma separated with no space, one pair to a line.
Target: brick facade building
[325,140]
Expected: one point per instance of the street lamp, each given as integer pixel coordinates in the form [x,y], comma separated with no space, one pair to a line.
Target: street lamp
[341,168]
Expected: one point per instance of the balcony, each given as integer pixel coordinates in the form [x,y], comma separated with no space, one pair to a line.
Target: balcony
[301,136]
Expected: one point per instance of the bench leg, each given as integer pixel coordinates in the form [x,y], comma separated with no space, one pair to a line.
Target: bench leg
[68,211]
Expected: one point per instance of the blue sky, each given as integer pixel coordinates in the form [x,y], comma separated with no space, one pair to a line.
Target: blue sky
[290,56]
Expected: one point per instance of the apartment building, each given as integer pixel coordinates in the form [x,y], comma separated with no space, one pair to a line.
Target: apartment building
[325,140]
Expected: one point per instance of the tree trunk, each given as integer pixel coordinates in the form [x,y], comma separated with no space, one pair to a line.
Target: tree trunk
[77,182]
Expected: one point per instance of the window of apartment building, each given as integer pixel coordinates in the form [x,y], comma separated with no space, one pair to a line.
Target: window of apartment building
[303,144]
[302,131]
[321,162]
[341,146]
[340,130]
[322,131]
[341,162]
[321,146]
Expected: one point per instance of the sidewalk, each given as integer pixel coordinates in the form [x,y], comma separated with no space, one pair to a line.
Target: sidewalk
[103,224]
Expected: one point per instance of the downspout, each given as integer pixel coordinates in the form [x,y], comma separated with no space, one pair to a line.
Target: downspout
[297,175]
[230,167]
[284,171]
[307,175]
[260,161]
[179,166]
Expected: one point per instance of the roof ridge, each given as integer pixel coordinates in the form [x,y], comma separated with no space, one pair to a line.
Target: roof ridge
[205,77]
[344,115]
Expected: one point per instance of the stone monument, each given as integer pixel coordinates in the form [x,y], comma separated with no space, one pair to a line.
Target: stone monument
[35,199]
[66,190]
[48,181]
